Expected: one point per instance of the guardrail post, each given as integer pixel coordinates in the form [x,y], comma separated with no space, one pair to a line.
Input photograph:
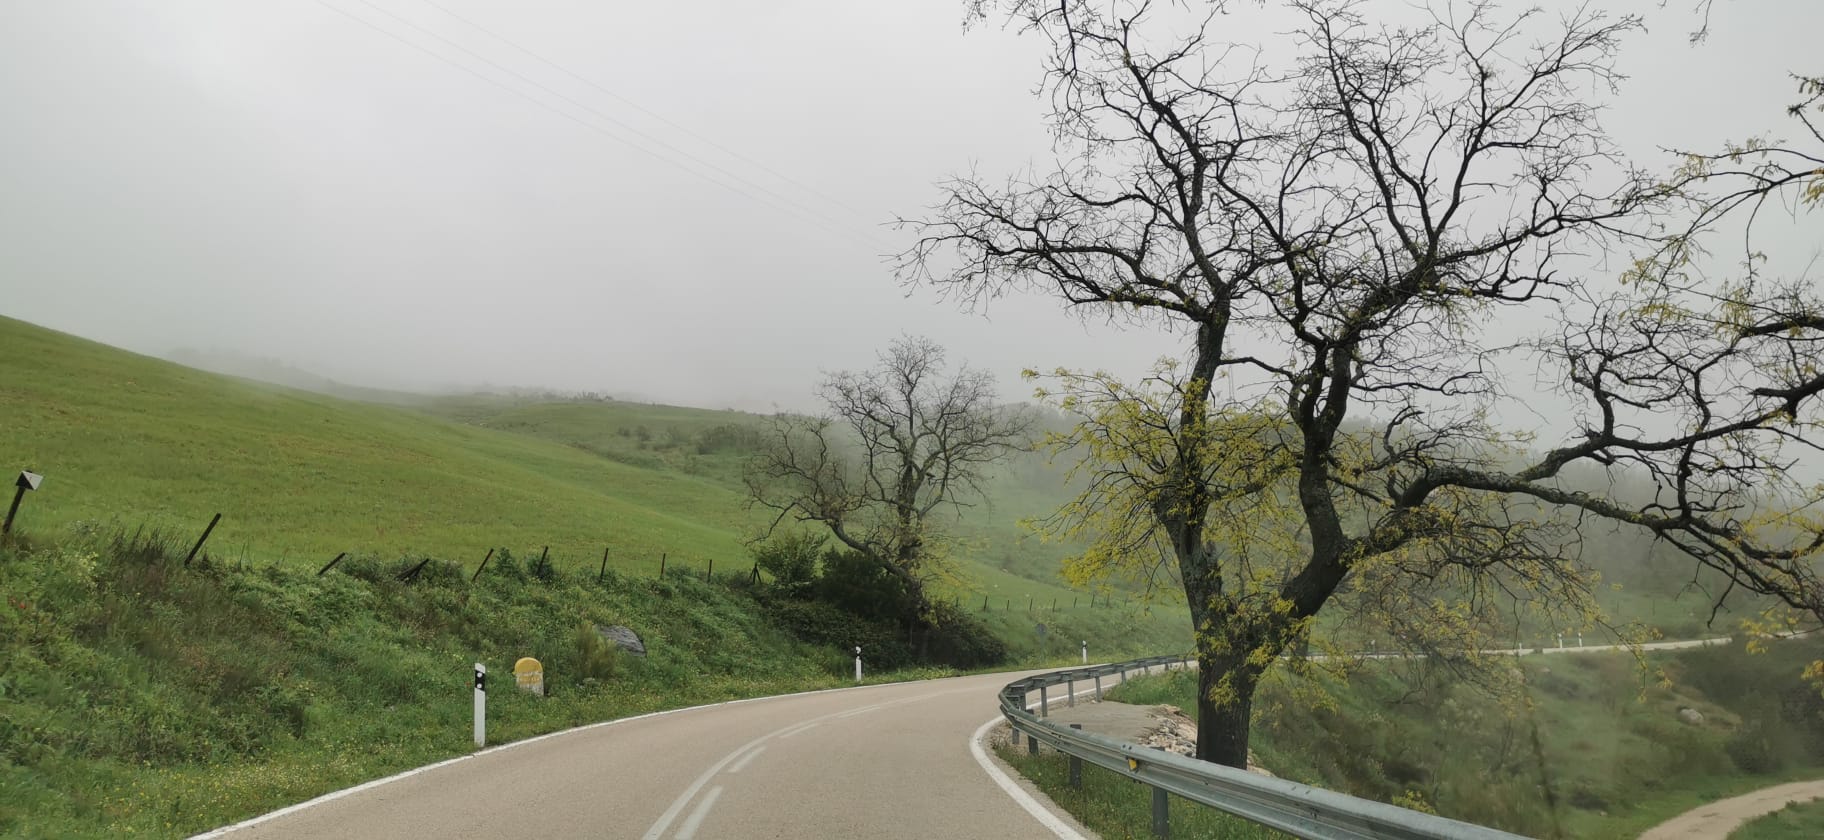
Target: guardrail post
[1076,765]
[1162,825]
[1032,745]
[1044,703]
[1070,691]
[1098,688]
[1015,737]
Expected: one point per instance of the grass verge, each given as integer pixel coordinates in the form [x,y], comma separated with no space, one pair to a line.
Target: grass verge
[1597,747]
[1803,821]
[142,697]
[1117,807]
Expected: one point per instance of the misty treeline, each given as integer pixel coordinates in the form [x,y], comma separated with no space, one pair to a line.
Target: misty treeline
[1346,227]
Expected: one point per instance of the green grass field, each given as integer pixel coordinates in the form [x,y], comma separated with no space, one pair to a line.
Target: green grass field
[130,440]
[300,477]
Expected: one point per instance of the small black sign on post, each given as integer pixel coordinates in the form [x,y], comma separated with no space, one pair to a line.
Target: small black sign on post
[28,480]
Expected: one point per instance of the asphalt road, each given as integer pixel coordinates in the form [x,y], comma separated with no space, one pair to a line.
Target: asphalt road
[884,761]
[877,761]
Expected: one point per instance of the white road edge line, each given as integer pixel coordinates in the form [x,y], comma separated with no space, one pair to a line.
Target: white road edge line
[695,821]
[374,783]
[1018,794]
[746,758]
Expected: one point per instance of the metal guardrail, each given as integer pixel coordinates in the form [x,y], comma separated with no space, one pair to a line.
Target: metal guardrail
[1298,810]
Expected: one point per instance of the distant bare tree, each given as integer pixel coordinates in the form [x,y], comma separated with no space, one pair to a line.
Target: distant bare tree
[898,443]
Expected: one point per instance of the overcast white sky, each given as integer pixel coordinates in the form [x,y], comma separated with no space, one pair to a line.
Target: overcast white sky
[280,179]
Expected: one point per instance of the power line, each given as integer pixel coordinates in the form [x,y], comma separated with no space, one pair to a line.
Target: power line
[828,224]
[642,109]
[515,91]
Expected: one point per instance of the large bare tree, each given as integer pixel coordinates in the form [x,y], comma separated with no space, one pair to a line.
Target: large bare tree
[1345,239]
[899,443]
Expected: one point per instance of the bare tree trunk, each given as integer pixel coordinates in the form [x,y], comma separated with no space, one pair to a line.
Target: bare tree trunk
[1222,729]
[1229,649]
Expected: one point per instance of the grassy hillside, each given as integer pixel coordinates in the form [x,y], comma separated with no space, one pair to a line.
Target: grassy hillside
[130,440]
[141,697]
[301,477]
[1002,554]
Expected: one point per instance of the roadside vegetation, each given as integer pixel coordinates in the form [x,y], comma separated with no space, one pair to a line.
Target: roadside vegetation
[1803,821]
[143,697]
[1115,807]
[1596,745]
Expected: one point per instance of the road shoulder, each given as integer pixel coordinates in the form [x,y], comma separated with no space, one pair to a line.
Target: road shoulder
[1717,820]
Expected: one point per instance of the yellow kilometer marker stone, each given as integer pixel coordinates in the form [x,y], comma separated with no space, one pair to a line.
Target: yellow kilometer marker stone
[530,675]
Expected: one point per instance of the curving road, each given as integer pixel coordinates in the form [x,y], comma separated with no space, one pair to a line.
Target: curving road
[877,761]
[890,761]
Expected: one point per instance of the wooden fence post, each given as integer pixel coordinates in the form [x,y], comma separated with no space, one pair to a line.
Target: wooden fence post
[200,540]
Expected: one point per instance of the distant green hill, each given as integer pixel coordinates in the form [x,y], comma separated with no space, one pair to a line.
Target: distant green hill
[299,477]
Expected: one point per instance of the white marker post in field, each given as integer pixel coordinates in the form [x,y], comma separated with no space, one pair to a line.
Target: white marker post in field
[481,705]
[1086,651]
[858,663]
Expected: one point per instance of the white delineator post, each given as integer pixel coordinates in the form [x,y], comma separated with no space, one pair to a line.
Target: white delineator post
[858,663]
[481,704]
[1086,651]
